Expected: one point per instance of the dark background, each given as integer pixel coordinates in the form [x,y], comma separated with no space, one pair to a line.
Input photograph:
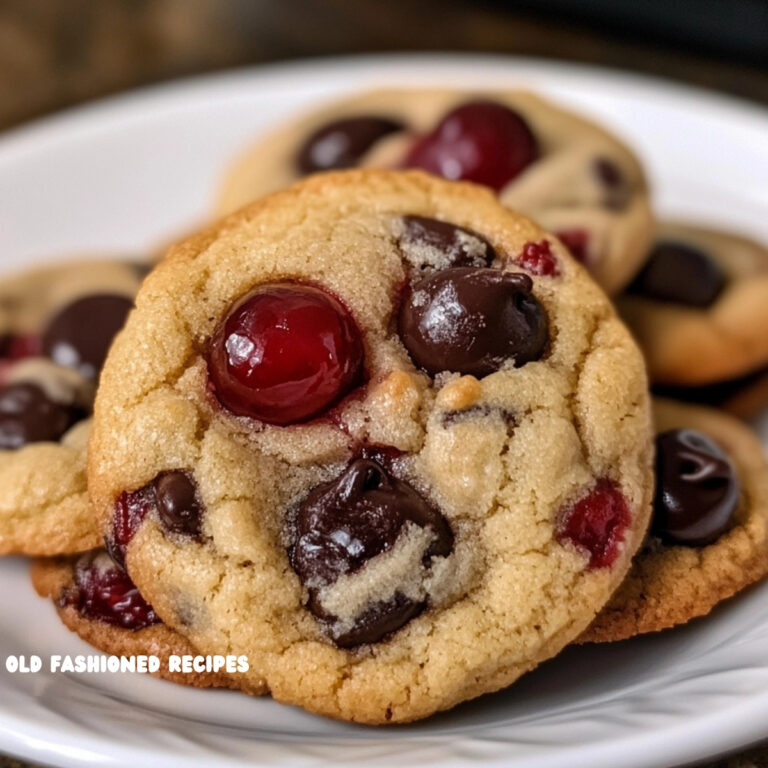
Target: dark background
[57,53]
[54,53]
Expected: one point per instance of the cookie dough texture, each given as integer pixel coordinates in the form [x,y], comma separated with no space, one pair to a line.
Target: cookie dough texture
[687,346]
[500,456]
[561,190]
[671,585]
[44,507]
[51,577]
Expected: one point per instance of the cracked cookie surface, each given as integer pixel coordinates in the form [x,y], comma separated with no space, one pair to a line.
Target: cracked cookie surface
[671,583]
[698,311]
[573,177]
[424,537]
[55,325]
[64,580]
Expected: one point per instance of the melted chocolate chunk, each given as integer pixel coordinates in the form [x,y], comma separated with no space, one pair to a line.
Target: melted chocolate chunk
[681,274]
[460,247]
[342,143]
[28,415]
[178,506]
[697,491]
[471,321]
[343,524]
[80,335]
[376,622]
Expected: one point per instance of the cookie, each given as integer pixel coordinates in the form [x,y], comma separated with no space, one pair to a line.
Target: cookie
[56,324]
[709,534]
[97,601]
[745,397]
[380,434]
[574,178]
[698,307]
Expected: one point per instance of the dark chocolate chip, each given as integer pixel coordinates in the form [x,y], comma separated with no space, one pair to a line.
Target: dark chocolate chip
[346,522]
[697,490]
[178,506]
[461,247]
[472,321]
[376,622]
[80,335]
[617,191]
[342,143]
[28,415]
[679,273]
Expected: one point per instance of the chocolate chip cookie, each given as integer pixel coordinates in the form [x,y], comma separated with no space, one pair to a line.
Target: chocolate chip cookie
[574,178]
[56,324]
[698,310]
[380,434]
[96,600]
[709,533]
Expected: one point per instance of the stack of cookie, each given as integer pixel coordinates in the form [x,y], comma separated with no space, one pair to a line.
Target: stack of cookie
[379,432]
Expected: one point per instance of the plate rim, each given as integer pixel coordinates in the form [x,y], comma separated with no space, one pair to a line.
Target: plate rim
[698,738]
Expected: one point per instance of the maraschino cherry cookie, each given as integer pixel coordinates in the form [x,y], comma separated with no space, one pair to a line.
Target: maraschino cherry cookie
[698,308]
[574,178]
[56,324]
[709,533]
[96,600]
[381,435]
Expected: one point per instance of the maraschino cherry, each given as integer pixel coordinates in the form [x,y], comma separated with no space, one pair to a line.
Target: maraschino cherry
[479,141]
[285,353]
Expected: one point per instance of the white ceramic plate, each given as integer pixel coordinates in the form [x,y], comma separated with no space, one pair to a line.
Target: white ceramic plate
[127,173]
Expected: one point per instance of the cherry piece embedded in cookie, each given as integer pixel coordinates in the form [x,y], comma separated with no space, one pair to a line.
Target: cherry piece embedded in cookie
[479,141]
[697,490]
[172,495]
[538,259]
[29,415]
[343,142]
[344,524]
[285,353]
[473,321]
[431,244]
[129,512]
[80,335]
[679,273]
[576,240]
[178,506]
[104,591]
[596,523]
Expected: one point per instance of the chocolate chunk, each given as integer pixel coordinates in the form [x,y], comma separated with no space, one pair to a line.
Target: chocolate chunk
[697,490]
[342,143]
[376,622]
[343,524]
[617,191]
[178,506]
[679,273]
[28,415]
[472,321]
[80,335]
[438,244]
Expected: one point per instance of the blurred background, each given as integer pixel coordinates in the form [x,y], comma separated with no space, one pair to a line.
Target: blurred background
[55,53]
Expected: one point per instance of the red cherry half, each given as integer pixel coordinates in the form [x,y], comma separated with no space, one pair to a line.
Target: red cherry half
[479,141]
[285,353]
[596,523]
